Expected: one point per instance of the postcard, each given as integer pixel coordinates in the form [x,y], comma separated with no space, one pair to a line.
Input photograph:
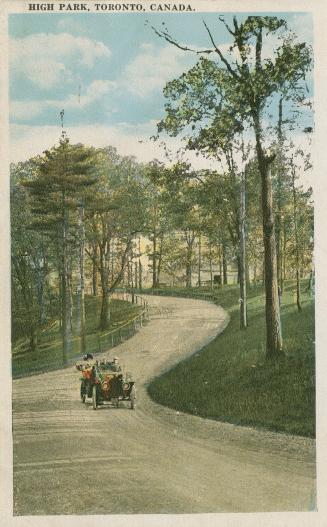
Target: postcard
[162,275]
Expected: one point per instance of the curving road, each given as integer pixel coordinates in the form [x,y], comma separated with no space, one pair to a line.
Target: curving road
[70,459]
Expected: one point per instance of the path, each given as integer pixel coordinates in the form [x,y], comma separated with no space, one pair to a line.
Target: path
[70,459]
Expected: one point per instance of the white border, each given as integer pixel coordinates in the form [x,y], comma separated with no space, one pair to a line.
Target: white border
[299,519]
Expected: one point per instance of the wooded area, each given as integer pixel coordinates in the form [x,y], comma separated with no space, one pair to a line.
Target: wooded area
[85,217]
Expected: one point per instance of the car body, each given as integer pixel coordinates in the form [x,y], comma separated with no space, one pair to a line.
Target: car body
[102,384]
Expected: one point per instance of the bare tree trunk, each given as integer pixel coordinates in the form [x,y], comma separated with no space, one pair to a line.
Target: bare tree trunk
[104,277]
[81,282]
[284,256]
[154,260]
[94,269]
[278,218]
[221,281]
[159,259]
[238,261]
[188,269]
[210,266]
[297,248]
[189,236]
[243,305]
[136,274]
[199,261]
[66,303]
[140,267]
[274,342]
[105,309]
[225,278]
[33,338]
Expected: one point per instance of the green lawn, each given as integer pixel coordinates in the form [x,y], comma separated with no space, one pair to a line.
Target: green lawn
[230,380]
[48,356]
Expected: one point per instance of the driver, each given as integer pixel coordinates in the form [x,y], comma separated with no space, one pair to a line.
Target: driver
[86,362]
[115,366]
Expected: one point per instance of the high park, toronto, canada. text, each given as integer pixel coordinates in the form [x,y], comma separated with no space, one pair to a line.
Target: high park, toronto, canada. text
[109,7]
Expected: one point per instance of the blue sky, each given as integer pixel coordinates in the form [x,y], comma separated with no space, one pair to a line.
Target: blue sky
[120,65]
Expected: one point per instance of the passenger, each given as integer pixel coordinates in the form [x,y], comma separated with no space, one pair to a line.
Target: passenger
[88,358]
[115,366]
[85,363]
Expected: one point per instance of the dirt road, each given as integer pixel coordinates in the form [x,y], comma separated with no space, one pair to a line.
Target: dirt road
[70,459]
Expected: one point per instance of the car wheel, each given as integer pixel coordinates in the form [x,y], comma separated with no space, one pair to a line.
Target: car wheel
[83,395]
[94,397]
[133,396]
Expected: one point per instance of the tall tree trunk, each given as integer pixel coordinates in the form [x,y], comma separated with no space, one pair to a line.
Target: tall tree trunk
[94,269]
[105,309]
[140,267]
[243,305]
[255,272]
[81,282]
[40,278]
[159,260]
[278,218]
[210,266]
[70,289]
[66,303]
[225,277]
[238,262]
[297,248]
[221,281]
[189,236]
[274,342]
[136,274]
[188,269]
[199,261]
[284,253]
[154,260]
[33,338]
[104,277]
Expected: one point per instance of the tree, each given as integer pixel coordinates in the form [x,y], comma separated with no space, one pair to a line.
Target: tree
[29,257]
[62,175]
[115,215]
[234,93]
[157,223]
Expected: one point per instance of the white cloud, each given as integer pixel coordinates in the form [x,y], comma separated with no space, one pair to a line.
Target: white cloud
[70,24]
[45,58]
[28,141]
[31,109]
[152,68]
[302,25]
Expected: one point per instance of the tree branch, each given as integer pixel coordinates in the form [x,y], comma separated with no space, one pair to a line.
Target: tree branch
[171,40]
[222,58]
[221,18]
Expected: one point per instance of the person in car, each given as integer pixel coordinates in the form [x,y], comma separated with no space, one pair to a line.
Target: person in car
[86,362]
[115,366]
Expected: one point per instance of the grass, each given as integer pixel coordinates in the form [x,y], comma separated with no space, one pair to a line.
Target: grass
[48,356]
[230,380]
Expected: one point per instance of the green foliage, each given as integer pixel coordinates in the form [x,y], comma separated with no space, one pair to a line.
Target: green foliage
[229,381]
[215,100]
[48,356]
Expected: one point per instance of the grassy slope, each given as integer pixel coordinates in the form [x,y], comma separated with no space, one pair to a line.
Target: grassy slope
[49,352]
[231,381]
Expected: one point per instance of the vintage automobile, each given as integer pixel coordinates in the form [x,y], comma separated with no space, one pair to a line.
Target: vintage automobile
[102,384]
